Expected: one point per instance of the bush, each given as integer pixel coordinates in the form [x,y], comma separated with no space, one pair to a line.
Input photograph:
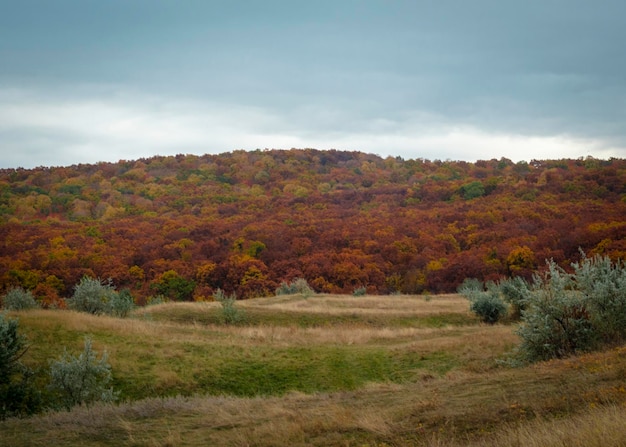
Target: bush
[603,287]
[557,322]
[298,285]
[156,299]
[230,313]
[570,313]
[19,299]
[488,305]
[359,291]
[18,396]
[96,297]
[516,291]
[121,304]
[469,286]
[83,379]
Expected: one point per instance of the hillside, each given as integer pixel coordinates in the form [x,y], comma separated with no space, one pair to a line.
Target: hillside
[324,370]
[183,226]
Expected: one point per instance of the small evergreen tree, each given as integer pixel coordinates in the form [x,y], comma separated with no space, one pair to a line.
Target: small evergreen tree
[557,322]
[18,396]
[602,284]
[174,286]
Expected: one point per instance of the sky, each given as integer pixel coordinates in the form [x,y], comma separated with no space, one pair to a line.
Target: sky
[84,81]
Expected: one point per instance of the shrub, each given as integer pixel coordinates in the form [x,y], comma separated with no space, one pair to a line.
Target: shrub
[230,313]
[557,322]
[156,299]
[492,302]
[359,291]
[83,379]
[121,304]
[469,286]
[18,396]
[603,287]
[298,285]
[488,305]
[19,299]
[96,297]
[516,292]
[572,312]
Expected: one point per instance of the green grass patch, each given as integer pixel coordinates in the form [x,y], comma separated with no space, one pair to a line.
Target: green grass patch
[270,317]
[314,370]
[177,359]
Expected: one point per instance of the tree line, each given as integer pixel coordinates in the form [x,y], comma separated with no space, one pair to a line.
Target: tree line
[185,226]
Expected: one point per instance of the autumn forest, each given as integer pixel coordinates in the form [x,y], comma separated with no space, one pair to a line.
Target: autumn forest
[183,226]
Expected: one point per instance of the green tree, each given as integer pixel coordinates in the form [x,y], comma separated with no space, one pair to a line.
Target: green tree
[472,190]
[488,306]
[174,286]
[18,396]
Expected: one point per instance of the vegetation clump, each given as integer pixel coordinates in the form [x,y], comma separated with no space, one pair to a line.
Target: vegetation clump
[568,313]
[487,304]
[19,299]
[359,291]
[230,313]
[98,297]
[73,380]
[18,396]
[298,285]
[81,380]
[516,292]
[562,313]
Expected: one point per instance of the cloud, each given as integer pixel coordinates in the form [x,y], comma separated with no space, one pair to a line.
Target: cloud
[43,131]
[83,82]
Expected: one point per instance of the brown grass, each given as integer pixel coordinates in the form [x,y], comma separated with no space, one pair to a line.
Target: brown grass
[363,305]
[503,408]
[577,401]
[597,427]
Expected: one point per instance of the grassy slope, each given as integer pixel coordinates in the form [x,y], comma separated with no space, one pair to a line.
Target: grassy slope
[328,370]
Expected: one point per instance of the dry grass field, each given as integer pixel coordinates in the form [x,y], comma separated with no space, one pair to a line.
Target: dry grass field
[325,370]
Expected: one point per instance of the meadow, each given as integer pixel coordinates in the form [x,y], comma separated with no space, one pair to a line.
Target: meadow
[326,370]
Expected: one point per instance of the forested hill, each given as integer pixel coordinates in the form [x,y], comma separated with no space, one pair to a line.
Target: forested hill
[183,226]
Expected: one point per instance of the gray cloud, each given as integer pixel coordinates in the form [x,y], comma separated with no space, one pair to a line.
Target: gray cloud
[220,75]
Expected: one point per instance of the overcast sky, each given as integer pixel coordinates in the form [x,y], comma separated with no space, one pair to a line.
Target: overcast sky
[83,81]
